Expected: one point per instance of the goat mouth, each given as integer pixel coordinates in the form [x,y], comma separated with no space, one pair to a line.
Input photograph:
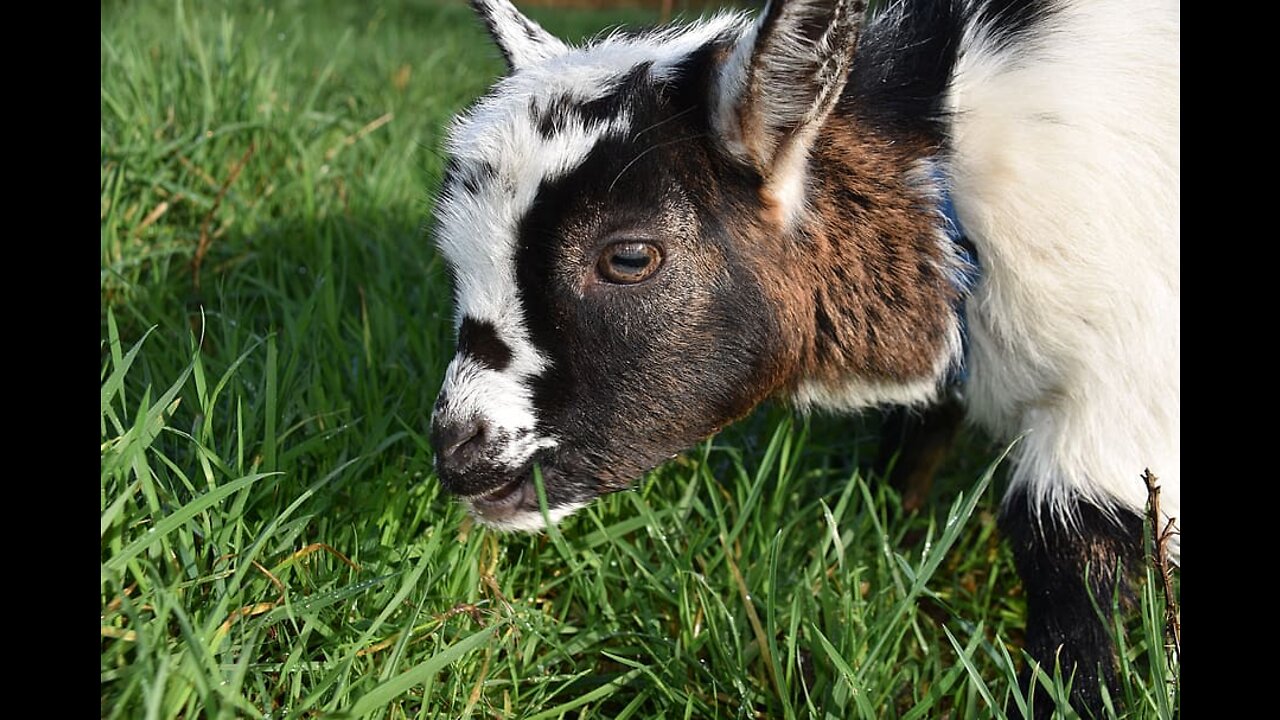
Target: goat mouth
[505,498]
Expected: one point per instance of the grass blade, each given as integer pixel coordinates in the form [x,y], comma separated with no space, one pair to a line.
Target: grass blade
[384,694]
[174,520]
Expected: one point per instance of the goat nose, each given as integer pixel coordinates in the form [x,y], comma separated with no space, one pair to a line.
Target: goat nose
[458,444]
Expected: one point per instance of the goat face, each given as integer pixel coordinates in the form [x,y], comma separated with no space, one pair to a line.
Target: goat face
[607,314]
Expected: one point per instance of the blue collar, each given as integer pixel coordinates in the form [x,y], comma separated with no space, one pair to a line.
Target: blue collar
[965,278]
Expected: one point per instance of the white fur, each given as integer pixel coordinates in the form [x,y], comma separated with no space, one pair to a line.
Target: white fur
[523,40]
[731,85]
[1065,175]
[854,393]
[502,400]
[529,520]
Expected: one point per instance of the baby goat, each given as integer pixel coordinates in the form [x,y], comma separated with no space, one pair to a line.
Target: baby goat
[651,234]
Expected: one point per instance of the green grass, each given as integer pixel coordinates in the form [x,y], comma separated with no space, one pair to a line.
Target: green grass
[275,326]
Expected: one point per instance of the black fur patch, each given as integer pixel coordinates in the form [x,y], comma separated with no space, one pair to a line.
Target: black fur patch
[492,27]
[481,173]
[825,327]
[555,116]
[914,442]
[1011,20]
[479,340]
[900,75]
[1064,571]
[471,177]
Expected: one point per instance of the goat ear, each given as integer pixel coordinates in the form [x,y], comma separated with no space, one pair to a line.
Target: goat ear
[521,40]
[783,78]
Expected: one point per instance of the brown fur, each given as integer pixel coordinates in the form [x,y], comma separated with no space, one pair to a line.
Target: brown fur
[860,284]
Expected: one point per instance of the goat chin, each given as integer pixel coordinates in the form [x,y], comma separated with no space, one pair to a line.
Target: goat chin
[654,232]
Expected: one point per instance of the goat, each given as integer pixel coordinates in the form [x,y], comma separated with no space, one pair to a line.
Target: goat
[651,234]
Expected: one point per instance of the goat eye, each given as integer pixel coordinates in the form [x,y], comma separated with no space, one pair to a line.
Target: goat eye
[627,263]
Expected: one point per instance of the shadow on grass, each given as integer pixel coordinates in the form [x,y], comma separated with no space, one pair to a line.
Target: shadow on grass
[327,340]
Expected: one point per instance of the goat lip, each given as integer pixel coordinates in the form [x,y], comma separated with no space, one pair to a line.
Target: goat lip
[505,496]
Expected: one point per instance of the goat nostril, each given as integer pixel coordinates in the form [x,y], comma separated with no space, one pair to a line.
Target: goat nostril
[474,439]
[459,444]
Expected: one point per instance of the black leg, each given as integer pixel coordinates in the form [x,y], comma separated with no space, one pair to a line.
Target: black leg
[920,439]
[1060,566]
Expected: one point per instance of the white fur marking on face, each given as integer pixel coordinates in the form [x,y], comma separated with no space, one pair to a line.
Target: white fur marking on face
[504,402]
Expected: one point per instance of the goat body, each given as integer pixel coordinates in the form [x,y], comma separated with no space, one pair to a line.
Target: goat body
[651,234]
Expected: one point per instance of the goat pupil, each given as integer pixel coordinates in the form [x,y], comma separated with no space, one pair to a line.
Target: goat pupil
[628,262]
[633,262]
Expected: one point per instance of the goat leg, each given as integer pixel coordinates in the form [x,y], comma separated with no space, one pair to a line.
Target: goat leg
[1071,570]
